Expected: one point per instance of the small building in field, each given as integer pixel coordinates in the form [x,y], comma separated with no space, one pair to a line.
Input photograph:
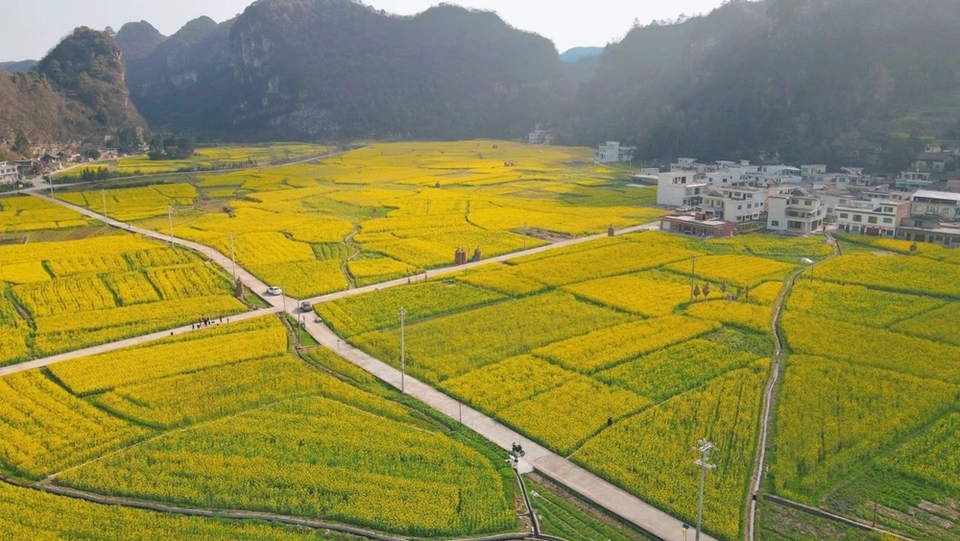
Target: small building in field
[608,152]
[697,226]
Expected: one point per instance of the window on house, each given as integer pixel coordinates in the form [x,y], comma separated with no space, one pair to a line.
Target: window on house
[871,219]
[794,225]
[808,203]
[844,215]
[888,220]
[857,218]
[774,223]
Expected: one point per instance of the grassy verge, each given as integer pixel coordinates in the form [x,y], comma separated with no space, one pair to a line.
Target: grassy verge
[564,515]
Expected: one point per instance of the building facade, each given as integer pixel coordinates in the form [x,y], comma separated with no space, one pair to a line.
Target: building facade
[942,206]
[696,226]
[9,173]
[795,211]
[608,152]
[737,205]
[680,189]
[877,219]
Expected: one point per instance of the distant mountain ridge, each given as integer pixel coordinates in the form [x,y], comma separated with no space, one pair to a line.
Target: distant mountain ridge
[576,54]
[858,82]
[21,66]
[847,82]
[337,68]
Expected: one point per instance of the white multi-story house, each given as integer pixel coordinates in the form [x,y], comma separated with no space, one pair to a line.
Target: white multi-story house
[540,137]
[795,211]
[942,206]
[9,173]
[738,204]
[813,173]
[912,180]
[877,219]
[680,189]
[608,152]
[774,175]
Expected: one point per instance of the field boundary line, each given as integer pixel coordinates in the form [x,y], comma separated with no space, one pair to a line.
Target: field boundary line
[816,511]
[770,394]
[244,515]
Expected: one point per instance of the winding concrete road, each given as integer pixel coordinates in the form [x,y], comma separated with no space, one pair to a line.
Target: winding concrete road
[589,486]
[129,342]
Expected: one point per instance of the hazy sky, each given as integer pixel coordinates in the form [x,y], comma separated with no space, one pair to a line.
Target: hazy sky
[29,28]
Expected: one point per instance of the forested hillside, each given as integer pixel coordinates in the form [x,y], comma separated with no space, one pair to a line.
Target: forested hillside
[337,68]
[837,80]
[75,95]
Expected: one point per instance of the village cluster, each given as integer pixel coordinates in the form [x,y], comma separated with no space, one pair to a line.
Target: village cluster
[725,197]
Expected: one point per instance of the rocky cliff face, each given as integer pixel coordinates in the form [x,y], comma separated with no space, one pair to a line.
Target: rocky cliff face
[75,95]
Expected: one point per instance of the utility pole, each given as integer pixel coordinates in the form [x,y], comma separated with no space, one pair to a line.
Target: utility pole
[693,276]
[170,222]
[524,235]
[103,195]
[403,354]
[703,447]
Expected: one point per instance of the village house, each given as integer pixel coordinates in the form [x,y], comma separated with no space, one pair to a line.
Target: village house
[876,219]
[697,226]
[734,204]
[933,159]
[540,137]
[934,217]
[9,173]
[913,180]
[680,189]
[612,152]
[795,211]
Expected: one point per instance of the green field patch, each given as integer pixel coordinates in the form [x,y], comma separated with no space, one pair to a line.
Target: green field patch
[671,371]
[452,345]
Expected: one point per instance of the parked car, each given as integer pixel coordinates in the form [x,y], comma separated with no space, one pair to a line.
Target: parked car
[274,290]
[306,306]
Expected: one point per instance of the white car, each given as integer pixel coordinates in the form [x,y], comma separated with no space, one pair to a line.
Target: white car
[274,290]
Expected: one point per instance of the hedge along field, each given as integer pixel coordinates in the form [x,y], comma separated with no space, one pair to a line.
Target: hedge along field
[65,295]
[412,203]
[254,428]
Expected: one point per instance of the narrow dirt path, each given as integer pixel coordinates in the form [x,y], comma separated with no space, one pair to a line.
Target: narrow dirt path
[769,396]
